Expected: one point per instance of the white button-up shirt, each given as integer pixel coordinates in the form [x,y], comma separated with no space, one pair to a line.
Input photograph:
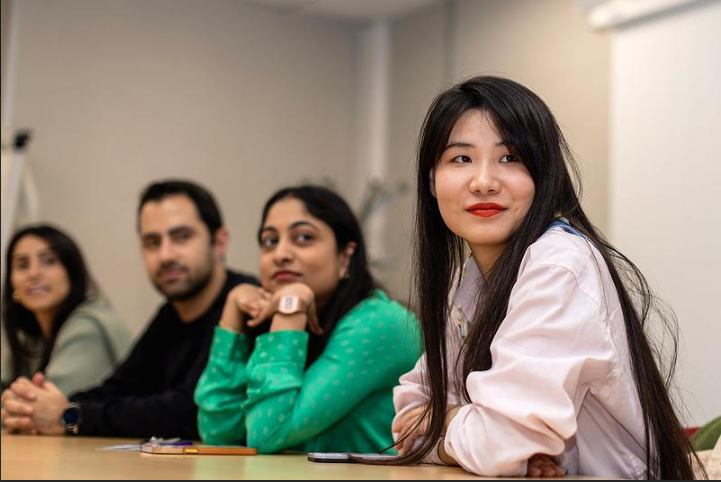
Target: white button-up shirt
[561,381]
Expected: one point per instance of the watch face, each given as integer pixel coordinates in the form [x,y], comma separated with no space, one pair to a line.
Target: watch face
[289,304]
[71,416]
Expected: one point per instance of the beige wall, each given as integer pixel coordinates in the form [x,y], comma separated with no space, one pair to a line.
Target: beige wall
[666,119]
[419,56]
[4,20]
[118,93]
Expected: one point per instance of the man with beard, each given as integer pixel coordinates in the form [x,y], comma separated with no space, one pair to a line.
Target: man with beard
[151,393]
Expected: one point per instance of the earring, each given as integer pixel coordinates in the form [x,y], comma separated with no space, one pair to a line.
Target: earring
[345,275]
[16,296]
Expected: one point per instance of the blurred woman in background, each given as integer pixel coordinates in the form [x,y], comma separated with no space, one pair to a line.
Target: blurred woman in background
[54,320]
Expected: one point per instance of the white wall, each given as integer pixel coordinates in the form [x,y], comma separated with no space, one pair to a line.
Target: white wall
[118,93]
[665,171]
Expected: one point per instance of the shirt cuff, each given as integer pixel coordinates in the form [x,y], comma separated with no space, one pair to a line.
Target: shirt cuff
[281,347]
[91,415]
[455,427]
[229,345]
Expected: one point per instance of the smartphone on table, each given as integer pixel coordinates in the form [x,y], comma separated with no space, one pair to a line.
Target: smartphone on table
[197,450]
[346,458]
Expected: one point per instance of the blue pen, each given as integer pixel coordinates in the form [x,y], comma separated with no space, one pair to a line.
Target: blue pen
[185,443]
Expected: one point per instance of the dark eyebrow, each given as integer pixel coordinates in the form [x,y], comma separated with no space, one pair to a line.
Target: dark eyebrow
[457,144]
[42,252]
[300,224]
[297,224]
[466,145]
[180,229]
[171,232]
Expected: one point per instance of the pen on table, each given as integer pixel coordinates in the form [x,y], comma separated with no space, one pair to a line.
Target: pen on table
[176,441]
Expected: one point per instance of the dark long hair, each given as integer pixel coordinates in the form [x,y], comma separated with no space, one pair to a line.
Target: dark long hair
[18,319]
[329,207]
[529,129]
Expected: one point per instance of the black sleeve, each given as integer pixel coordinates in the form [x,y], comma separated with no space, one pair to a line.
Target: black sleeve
[128,404]
[171,413]
[133,376]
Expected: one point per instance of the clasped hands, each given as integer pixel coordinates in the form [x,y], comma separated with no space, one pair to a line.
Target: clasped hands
[250,305]
[33,406]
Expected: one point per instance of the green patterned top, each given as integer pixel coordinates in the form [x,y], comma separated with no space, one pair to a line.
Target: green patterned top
[343,402]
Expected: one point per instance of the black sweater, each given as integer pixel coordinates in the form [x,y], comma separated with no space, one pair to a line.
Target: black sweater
[151,392]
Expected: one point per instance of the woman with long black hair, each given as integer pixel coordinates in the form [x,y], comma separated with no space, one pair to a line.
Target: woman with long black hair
[54,319]
[535,327]
[308,360]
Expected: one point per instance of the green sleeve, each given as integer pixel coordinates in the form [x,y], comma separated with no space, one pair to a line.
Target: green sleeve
[287,407]
[220,392]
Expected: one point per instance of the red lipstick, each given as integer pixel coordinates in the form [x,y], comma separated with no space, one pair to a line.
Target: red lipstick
[485,210]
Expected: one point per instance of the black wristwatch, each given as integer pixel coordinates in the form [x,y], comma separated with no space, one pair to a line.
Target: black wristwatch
[71,419]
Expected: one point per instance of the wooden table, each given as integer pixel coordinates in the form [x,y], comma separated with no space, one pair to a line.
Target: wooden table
[46,457]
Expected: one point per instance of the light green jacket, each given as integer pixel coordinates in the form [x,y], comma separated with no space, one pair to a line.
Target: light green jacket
[89,345]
